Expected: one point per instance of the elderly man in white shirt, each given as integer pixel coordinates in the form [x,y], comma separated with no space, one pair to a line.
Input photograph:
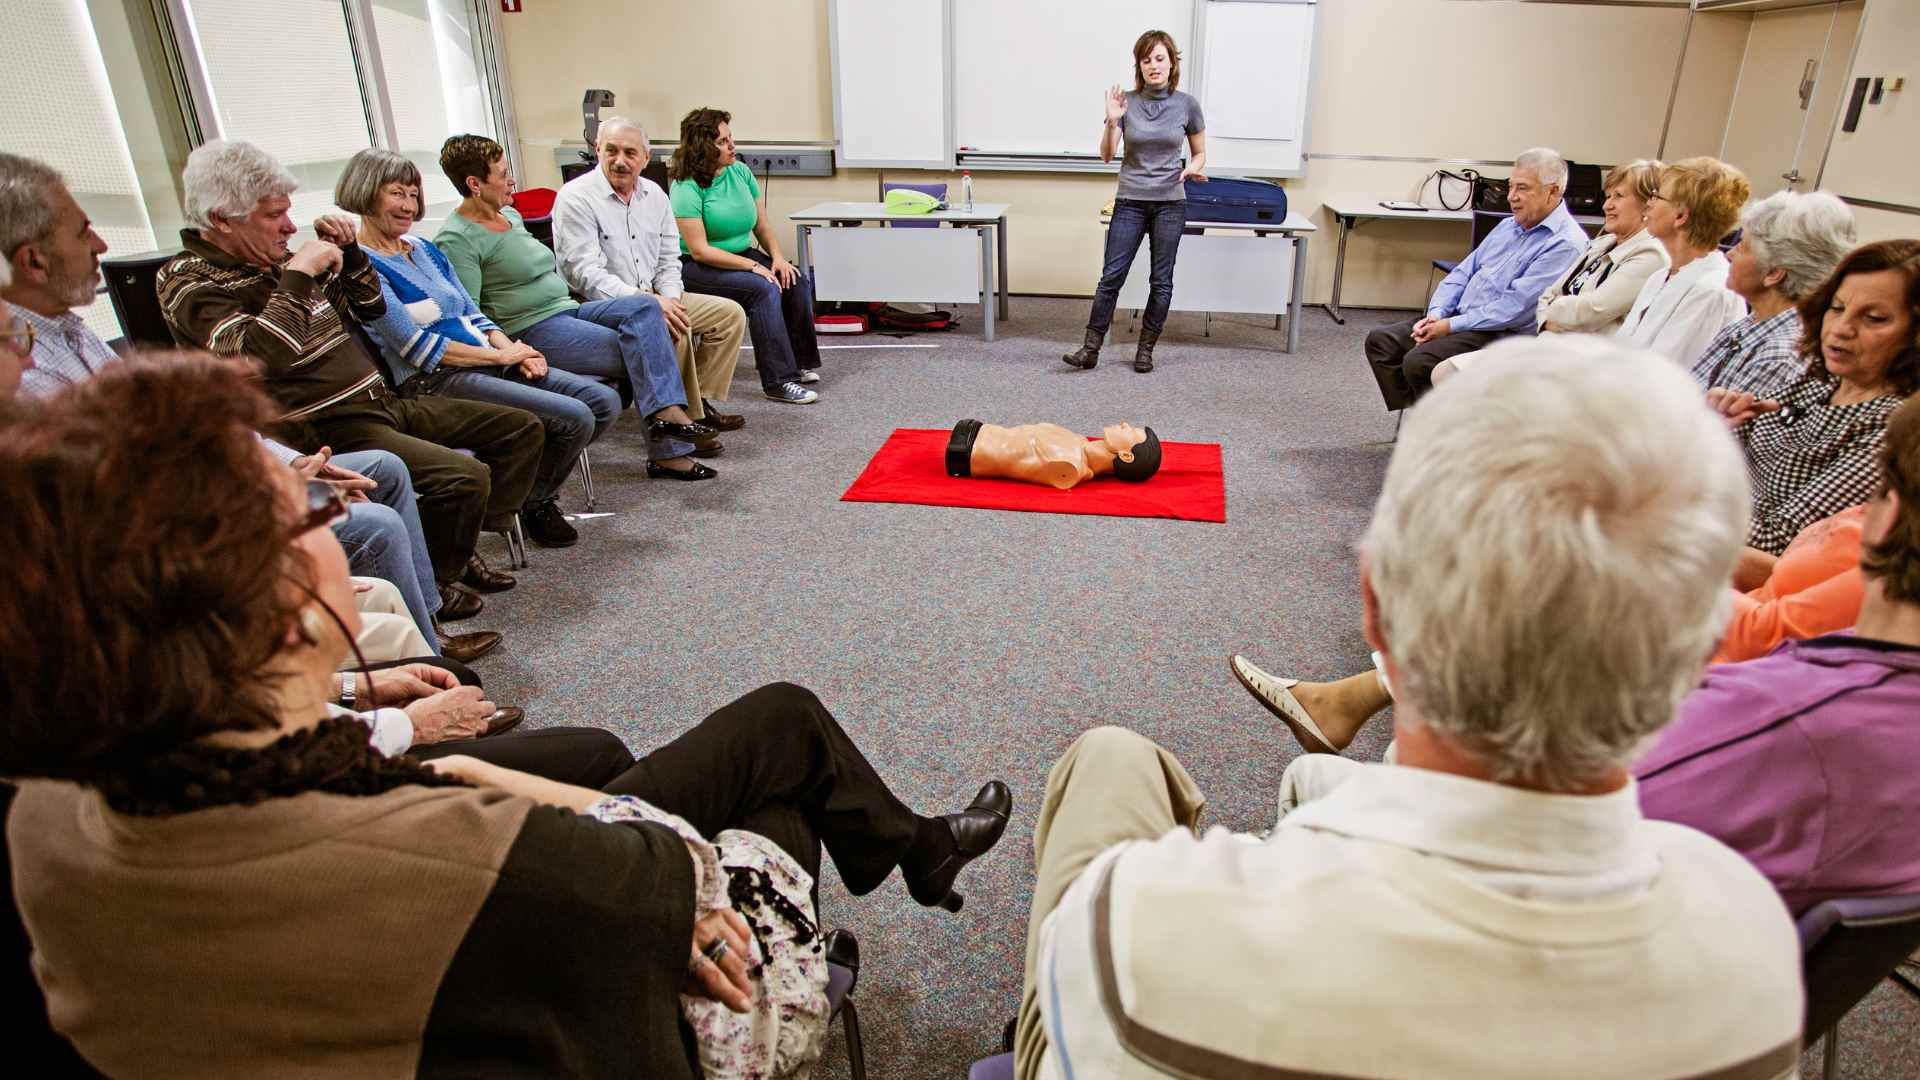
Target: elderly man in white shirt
[1493,903]
[614,236]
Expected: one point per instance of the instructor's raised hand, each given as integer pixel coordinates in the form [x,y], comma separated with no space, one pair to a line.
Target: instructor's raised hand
[1116,104]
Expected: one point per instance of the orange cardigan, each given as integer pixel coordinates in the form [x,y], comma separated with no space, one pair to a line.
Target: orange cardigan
[1815,589]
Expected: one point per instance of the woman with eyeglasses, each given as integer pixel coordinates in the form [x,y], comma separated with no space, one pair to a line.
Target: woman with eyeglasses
[221,875]
[1681,309]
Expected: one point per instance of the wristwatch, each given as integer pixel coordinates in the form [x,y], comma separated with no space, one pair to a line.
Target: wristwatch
[346,689]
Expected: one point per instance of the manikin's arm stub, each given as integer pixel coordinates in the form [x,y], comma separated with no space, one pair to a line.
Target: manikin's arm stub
[1046,453]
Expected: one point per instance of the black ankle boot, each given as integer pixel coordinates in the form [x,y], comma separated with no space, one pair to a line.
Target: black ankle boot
[1089,353]
[972,833]
[1143,352]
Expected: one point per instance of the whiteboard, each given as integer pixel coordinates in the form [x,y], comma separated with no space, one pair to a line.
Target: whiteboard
[1028,77]
[891,85]
[1253,85]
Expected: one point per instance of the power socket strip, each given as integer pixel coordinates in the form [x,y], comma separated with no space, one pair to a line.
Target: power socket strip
[789,161]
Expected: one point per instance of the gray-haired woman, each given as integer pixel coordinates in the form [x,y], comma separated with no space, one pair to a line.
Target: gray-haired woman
[436,341]
[1789,243]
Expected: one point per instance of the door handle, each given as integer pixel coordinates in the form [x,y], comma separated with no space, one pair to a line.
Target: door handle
[1807,83]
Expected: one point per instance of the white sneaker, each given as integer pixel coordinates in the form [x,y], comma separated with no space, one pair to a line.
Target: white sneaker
[810,375]
[792,393]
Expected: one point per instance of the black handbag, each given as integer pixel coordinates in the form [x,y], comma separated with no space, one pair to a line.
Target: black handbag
[1486,193]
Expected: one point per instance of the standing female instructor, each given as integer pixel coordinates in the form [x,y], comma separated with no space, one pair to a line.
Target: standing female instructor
[1157,123]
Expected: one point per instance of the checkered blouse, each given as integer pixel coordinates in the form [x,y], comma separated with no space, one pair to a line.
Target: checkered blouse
[1758,358]
[1811,459]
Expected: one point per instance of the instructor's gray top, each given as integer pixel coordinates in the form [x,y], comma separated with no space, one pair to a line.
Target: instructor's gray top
[1155,130]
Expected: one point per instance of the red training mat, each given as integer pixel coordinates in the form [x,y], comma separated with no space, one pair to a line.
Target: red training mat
[911,468]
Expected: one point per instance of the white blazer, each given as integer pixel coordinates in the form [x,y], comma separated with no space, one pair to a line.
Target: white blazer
[1600,308]
[1678,313]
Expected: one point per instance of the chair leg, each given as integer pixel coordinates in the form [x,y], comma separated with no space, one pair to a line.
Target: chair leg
[1830,1060]
[1206,327]
[516,545]
[586,479]
[856,1054]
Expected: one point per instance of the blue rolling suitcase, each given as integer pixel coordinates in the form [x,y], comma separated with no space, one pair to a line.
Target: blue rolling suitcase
[1250,202]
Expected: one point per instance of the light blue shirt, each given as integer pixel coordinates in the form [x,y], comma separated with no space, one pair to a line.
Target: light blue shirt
[65,351]
[1498,286]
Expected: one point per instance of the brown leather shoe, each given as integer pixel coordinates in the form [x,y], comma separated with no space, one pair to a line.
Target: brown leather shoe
[458,602]
[467,648]
[720,421]
[505,718]
[483,577]
[708,448]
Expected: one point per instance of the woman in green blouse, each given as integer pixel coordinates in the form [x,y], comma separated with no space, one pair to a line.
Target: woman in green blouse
[721,212]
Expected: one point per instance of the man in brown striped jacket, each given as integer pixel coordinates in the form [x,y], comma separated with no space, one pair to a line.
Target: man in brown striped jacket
[237,290]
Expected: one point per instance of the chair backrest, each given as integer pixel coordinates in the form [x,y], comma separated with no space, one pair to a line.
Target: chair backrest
[938,191]
[1484,222]
[1848,946]
[997,1067]
[573,170]
[130,286]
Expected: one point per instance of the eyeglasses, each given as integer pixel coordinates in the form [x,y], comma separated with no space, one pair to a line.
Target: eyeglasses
[19,330]
[1657,195]
[326,507]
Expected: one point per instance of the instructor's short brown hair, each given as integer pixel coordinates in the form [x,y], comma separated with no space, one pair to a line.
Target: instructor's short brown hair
[1895,561]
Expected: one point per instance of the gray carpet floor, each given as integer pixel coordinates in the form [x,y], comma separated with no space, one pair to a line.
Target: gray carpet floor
[961,645]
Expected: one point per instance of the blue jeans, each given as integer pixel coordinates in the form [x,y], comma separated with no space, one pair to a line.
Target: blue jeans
[780,321]
[382,537]
[1132,220]
[574,409]
[626,339]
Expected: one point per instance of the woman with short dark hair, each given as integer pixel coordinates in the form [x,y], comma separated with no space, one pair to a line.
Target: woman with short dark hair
[1159,126]
[229,878]
[519,287]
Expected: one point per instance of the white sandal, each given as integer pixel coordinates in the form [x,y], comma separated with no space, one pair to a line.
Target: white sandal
[1277,695]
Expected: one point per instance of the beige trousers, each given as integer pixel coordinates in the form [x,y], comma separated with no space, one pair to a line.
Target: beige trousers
[706,370]
[387,632]
[1111,785]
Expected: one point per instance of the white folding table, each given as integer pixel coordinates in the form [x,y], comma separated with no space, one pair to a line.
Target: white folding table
[1235,266]
[963,264]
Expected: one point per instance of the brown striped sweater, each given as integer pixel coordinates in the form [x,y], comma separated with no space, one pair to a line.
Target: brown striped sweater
[285,319]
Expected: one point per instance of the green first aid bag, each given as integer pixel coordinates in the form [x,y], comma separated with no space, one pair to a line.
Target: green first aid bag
[908,201]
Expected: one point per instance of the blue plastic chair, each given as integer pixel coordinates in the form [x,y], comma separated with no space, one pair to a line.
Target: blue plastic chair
[1849,946]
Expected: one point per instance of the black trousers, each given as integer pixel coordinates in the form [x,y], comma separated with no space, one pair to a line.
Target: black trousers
[1404,368]
[777,763]
[458,493]
[582,756]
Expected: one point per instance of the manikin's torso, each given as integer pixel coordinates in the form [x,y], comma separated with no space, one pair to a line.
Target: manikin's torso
[1048,453]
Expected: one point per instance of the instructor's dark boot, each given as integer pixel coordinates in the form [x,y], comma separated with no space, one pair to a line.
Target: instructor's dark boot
[1143,352]
[1089,353]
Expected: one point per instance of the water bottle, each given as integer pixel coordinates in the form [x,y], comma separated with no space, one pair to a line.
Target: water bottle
[966,189]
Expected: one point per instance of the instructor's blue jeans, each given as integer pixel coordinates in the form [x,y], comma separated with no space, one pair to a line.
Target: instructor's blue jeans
[625,338]
[574,409]
[382,537]
[1134,219]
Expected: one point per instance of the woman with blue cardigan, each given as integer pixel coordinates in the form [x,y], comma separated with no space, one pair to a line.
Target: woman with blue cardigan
[436,341]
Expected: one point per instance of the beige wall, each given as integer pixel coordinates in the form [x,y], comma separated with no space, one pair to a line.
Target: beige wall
[1451,80]
[1767,128]
[1881,159]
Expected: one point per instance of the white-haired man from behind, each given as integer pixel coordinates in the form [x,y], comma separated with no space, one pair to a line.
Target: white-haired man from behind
[1493,904]
[1789,243]
[614,236]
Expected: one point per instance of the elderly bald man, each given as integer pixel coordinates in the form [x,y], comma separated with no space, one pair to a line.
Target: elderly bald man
[1493,903]
[614,235]
[1494,290]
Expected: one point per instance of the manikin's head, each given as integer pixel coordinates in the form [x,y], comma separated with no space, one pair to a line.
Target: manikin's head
[1136,451]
